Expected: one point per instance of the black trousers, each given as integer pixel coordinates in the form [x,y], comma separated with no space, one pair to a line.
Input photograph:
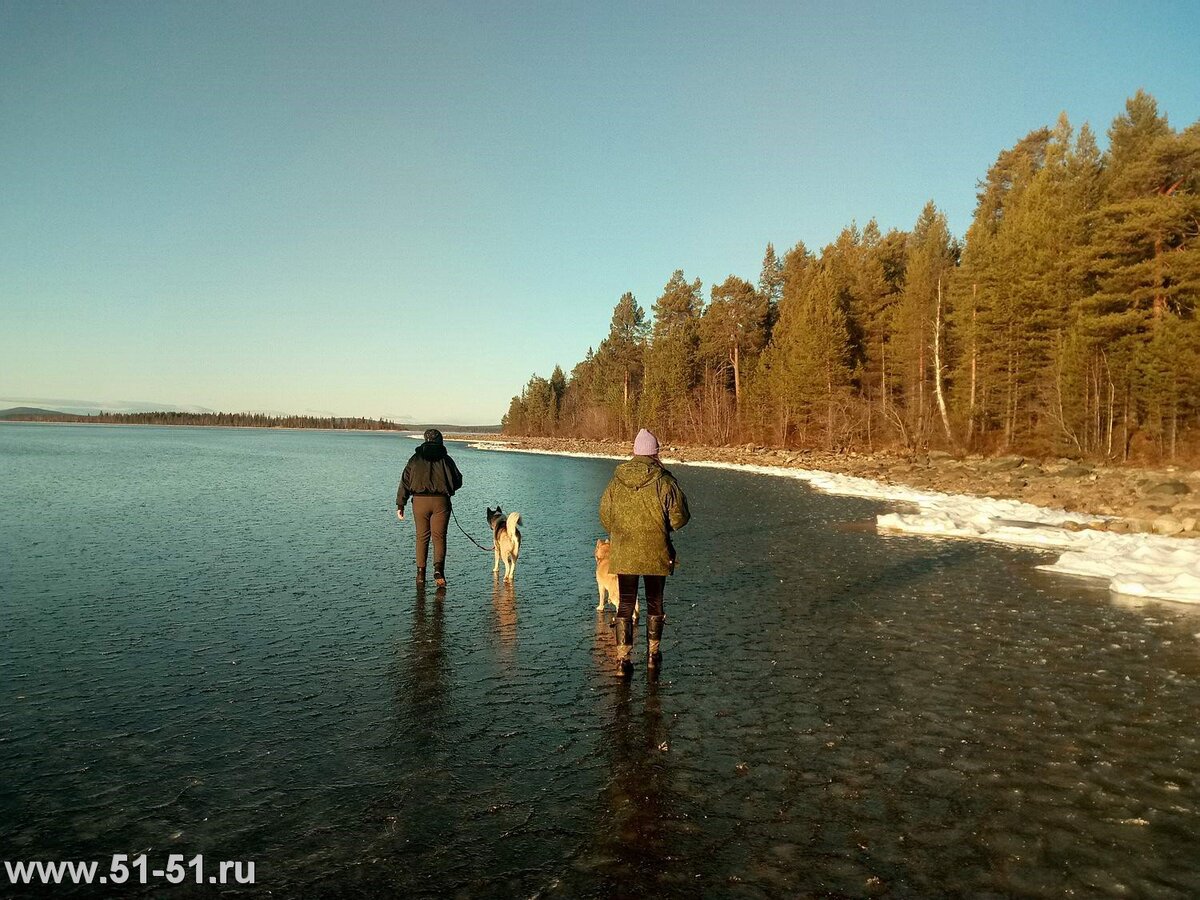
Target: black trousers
[432,517]
[628,585]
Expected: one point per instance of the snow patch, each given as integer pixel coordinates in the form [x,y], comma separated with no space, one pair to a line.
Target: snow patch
[506,447]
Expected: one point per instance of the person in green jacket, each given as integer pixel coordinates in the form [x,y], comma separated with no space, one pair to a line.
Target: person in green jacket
[640,508]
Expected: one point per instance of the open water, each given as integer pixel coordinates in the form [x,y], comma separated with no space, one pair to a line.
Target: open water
[210,642]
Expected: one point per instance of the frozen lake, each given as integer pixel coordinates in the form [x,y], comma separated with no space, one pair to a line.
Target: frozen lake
[212,644]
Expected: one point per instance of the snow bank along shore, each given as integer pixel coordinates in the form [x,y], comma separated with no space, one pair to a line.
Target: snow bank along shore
[1139,565]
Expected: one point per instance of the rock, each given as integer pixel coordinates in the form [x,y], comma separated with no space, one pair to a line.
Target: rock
[1167,525]
[1074,471]
[1151,507]
[936,455]
[1041,498]
[1006,463]
[1189,524]
[1173,488]
[1119,526]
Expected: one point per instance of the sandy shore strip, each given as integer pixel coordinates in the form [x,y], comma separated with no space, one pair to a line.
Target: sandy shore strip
[1139,556]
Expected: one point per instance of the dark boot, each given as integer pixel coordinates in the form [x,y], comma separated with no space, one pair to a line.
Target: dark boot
[420,576]
[654,627]
[624,633]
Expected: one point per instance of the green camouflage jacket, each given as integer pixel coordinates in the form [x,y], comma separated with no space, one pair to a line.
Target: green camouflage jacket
[640,508]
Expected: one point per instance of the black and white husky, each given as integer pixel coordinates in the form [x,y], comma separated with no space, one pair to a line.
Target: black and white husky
[507,540]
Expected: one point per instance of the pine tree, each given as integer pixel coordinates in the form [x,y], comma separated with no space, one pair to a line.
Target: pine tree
[671,356]
[775,387]
[919,323]
[1143,265]
[618,367]
[806,370]
[732,330]
[770,287]
[989,368]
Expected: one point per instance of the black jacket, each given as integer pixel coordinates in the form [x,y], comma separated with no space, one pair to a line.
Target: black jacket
[429,471]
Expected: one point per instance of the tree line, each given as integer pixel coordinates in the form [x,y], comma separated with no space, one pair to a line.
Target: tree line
[231,420]
[1063,322]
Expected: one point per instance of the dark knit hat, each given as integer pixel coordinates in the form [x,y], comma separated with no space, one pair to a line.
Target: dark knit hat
[433,436]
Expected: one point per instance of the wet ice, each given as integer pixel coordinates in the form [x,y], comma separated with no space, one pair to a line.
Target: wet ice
[249,672]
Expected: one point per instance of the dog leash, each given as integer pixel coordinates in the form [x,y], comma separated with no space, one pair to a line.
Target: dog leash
[468,537]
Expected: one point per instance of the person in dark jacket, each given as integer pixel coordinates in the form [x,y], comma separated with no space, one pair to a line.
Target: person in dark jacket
[640,508]
[430,479]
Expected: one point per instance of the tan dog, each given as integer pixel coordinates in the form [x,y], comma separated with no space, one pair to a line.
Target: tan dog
[606,578]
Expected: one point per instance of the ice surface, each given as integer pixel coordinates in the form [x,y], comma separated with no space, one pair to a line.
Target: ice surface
[1139,565]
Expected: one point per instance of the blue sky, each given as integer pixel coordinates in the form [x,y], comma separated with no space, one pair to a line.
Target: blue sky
[406,209]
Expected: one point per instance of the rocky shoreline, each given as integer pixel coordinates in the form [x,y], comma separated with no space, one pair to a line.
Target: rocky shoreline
[1124,499]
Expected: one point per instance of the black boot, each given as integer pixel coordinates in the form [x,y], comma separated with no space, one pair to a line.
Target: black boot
[654,627]
[420,576]
[624,633]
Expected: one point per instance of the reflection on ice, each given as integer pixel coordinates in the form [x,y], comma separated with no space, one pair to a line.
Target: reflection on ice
[504,608]
[1149,606]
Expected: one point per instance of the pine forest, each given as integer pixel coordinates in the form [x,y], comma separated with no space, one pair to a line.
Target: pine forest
[1063,323]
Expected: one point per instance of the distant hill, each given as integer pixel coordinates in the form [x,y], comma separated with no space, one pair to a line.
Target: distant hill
[20,412]
[77,407]
[241,420]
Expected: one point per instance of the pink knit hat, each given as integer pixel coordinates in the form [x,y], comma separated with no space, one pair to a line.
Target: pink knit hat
[645,444]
